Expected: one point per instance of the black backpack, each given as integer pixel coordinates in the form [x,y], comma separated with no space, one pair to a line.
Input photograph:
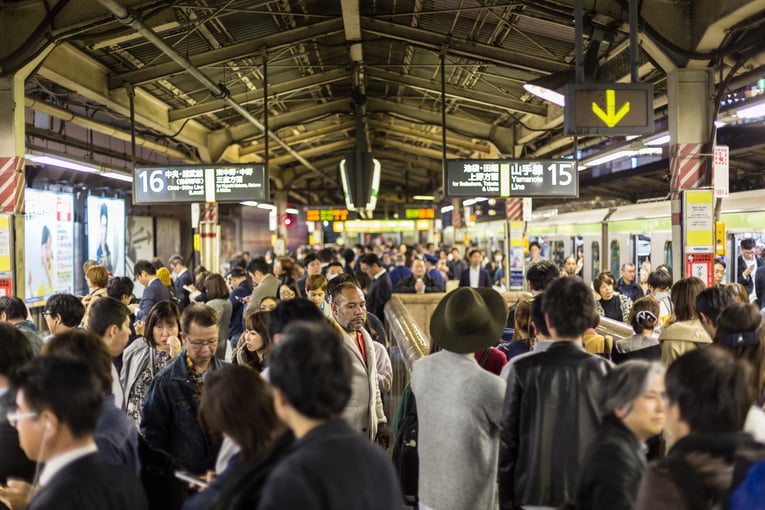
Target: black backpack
[405,456]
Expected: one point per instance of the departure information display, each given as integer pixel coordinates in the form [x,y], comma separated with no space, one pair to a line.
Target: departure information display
[511,178]
[189,184]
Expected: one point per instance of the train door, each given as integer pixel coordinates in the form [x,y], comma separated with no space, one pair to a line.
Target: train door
[641,249]
[594,259]
[577,251]
[557,252]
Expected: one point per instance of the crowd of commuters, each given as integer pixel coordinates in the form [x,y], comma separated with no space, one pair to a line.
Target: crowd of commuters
[265,387]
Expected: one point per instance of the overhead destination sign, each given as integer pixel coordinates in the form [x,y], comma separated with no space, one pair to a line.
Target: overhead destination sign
[613,109]
[189,184]
[511,178]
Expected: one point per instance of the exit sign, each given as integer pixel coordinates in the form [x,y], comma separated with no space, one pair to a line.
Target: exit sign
[612,109]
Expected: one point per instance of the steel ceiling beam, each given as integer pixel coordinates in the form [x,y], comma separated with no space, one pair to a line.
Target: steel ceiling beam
[274,90]
[470,49]
[235,51]
[500,136]
[312,135]
[452,140]
[471,95]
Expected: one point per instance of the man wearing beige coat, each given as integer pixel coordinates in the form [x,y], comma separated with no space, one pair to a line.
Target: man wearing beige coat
[364,411]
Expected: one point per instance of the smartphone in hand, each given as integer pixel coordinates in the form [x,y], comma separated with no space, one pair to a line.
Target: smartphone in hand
[189,478]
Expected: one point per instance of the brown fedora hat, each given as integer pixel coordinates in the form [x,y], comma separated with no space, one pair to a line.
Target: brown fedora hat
[468,320]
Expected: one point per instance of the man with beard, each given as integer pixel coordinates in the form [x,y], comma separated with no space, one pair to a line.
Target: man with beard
[364,411]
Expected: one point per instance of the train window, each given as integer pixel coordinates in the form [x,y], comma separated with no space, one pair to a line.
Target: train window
[557,253]
[668,253]
[615,254]
[595,258]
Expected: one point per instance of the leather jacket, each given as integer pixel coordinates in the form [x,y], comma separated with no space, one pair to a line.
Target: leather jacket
[611,473]
[549,419]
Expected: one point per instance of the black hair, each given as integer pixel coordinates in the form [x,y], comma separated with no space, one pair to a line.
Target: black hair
[144,265]
[237,272]
[348,255]
[120,286]
[199,314]
[104,313]
[326,255]
[310,258]
[334,264]
[534,243]
[287,312]
[339,280]
[711,302]
[104,212]
[15,350]
[370,259]
[569,306]
[259,264]
[157,263]
[541,274]
[68,307]
[160,313]
[66,388]
[471,252]
[538,317]
[84,346]
[660,279]
[45,234]
[695,382]
[13,307]
[721,261]
[747,244]
[312,368]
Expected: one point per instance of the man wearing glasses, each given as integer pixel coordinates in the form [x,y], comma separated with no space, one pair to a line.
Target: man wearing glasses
[169,419]
[58,406]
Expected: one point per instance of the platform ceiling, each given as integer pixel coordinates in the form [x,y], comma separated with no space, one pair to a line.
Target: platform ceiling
[82,65]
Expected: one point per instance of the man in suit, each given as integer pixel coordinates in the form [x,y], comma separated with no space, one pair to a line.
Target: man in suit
[746,268]
[15,351]
[381,288]
[475,276]
[364,412]
[419,282]
[182,279]
[312,380]
[154,290]
[264,281]
[58,404]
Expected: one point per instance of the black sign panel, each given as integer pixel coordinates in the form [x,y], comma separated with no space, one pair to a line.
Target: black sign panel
[511,178]
[189,184]
[613,109]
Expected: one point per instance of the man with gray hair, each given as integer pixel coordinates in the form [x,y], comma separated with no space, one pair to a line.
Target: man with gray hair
[627,285]
[633,406]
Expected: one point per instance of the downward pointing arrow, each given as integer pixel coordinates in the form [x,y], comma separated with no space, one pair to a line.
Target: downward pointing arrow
[611,117]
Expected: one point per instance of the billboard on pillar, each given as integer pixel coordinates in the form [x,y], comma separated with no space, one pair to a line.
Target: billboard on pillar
[48,245]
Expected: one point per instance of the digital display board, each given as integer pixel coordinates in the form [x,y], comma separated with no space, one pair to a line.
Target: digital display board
[190,184]
[48,245]
[106,233]
[511,178]
[419,213]
[326,214]
[609,109]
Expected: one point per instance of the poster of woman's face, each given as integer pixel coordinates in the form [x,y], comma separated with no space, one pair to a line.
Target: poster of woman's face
[48,246]
[106,233]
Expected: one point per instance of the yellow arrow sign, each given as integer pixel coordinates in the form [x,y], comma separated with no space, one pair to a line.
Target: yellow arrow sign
[611,117]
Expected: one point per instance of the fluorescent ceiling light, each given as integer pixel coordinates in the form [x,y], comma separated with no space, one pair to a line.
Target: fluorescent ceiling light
[752,111]
[291,210]
[423,197]
[118,176]
[720,123]
[62,163]
[249,203]
[646,151]
[546,94]
[447,208]
[662,139]
[269,207]
[374,186]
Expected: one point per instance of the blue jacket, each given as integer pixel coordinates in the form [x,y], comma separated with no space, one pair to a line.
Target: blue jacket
[399,273]
[181,281]
[236,324]
[170,421]
[155,292]
[116,437]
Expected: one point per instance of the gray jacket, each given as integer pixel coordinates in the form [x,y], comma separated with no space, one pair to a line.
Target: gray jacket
[458,410]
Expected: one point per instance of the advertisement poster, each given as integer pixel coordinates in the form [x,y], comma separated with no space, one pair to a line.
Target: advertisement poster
[106,233]
[140,240]
[49,248]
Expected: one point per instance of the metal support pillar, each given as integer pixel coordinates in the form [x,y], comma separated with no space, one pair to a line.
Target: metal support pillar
[280,201]
[691,110]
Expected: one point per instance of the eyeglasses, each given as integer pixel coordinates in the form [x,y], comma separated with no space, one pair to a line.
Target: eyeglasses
[204,343]
[14,417]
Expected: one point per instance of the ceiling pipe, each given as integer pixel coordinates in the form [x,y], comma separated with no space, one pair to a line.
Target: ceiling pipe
[126,18]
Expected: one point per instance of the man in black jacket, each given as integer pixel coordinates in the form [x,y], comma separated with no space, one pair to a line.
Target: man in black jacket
[419,282]
[551,411]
